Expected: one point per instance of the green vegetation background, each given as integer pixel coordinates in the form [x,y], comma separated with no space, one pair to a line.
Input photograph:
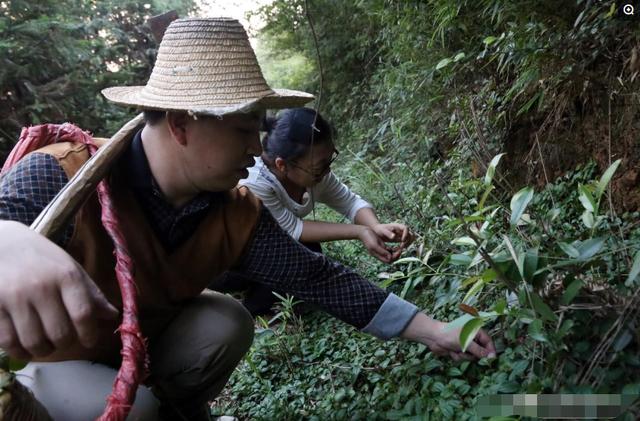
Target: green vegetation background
[424,94]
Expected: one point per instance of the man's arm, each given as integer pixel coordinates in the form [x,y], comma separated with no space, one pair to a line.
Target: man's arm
[275,259]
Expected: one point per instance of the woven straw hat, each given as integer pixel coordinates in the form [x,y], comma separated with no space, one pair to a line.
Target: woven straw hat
[206,66]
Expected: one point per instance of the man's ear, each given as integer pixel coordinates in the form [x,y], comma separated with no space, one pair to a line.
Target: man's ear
[281,165]
[177,123]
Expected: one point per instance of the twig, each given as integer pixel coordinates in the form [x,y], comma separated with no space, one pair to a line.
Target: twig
[544,168]
[610,336]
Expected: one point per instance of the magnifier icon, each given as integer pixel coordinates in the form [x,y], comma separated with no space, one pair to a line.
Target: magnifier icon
[628,9]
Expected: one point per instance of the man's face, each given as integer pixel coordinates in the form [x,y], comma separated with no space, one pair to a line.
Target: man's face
[219,150]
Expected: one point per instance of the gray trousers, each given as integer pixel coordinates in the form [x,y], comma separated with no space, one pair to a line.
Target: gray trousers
[191,361]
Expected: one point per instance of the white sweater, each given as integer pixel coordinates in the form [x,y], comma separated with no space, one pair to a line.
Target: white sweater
[290,213]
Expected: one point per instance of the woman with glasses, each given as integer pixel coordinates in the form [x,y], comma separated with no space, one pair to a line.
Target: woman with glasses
[294,173]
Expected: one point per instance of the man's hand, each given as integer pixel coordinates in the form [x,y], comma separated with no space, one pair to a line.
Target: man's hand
[443,341]
[47,301]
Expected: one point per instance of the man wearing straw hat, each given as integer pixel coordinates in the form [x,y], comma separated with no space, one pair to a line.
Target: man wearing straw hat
[185,222]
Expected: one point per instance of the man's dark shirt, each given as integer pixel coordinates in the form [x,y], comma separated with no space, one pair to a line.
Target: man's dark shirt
[272,258]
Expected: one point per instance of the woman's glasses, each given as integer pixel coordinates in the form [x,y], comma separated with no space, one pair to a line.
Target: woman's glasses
[317,173]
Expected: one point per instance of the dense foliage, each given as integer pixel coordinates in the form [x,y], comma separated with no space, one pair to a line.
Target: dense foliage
[58,55]
[493,128]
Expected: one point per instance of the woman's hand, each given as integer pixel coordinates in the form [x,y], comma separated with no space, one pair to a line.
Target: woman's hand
[375,246]
[394,233]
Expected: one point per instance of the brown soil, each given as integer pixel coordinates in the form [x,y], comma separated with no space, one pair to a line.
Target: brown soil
[578,135]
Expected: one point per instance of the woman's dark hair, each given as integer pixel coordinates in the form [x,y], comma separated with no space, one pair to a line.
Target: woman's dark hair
[289,134]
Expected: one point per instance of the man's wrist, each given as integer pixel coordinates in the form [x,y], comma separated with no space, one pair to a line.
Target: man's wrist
[422,328]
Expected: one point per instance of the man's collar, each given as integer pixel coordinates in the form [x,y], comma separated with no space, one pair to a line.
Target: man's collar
[140,175]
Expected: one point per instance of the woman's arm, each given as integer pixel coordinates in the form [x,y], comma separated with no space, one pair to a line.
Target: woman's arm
[317,231]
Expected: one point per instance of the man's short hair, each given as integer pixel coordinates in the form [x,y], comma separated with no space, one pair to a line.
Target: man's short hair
[153,117]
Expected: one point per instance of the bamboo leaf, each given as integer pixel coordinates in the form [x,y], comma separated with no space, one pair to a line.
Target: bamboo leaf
[586,198]
[519,203]
[489,40]
[606,178]
[443,63]
[474,290]
[491,169]
[407,260]
[517,258]
[427,255]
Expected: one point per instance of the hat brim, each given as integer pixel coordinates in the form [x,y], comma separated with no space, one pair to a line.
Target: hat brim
[133,96]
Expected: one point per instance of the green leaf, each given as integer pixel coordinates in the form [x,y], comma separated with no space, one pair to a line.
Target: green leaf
[571,291]
[537,332]
[631,389]
[605,179]
[484,197]
[474,290]
[489,40]
[427,255]
[519,203]
[500,306]
[489,275]
[542,308]
[459,57]
[470,280]
[565,328]
[589,248]
[586,198]
[635,270]
[460,259]
[459,322]
[443,63]
[407,260]
[518,258]
[464,241]
[530,264]
[587,218]
[491,169]
[469,331]
[569,250]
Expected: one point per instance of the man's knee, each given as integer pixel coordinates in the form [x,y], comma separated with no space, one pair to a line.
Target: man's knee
[225,321]
[202,346]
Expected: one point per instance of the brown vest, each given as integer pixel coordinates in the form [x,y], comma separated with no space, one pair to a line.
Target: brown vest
[164,280]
